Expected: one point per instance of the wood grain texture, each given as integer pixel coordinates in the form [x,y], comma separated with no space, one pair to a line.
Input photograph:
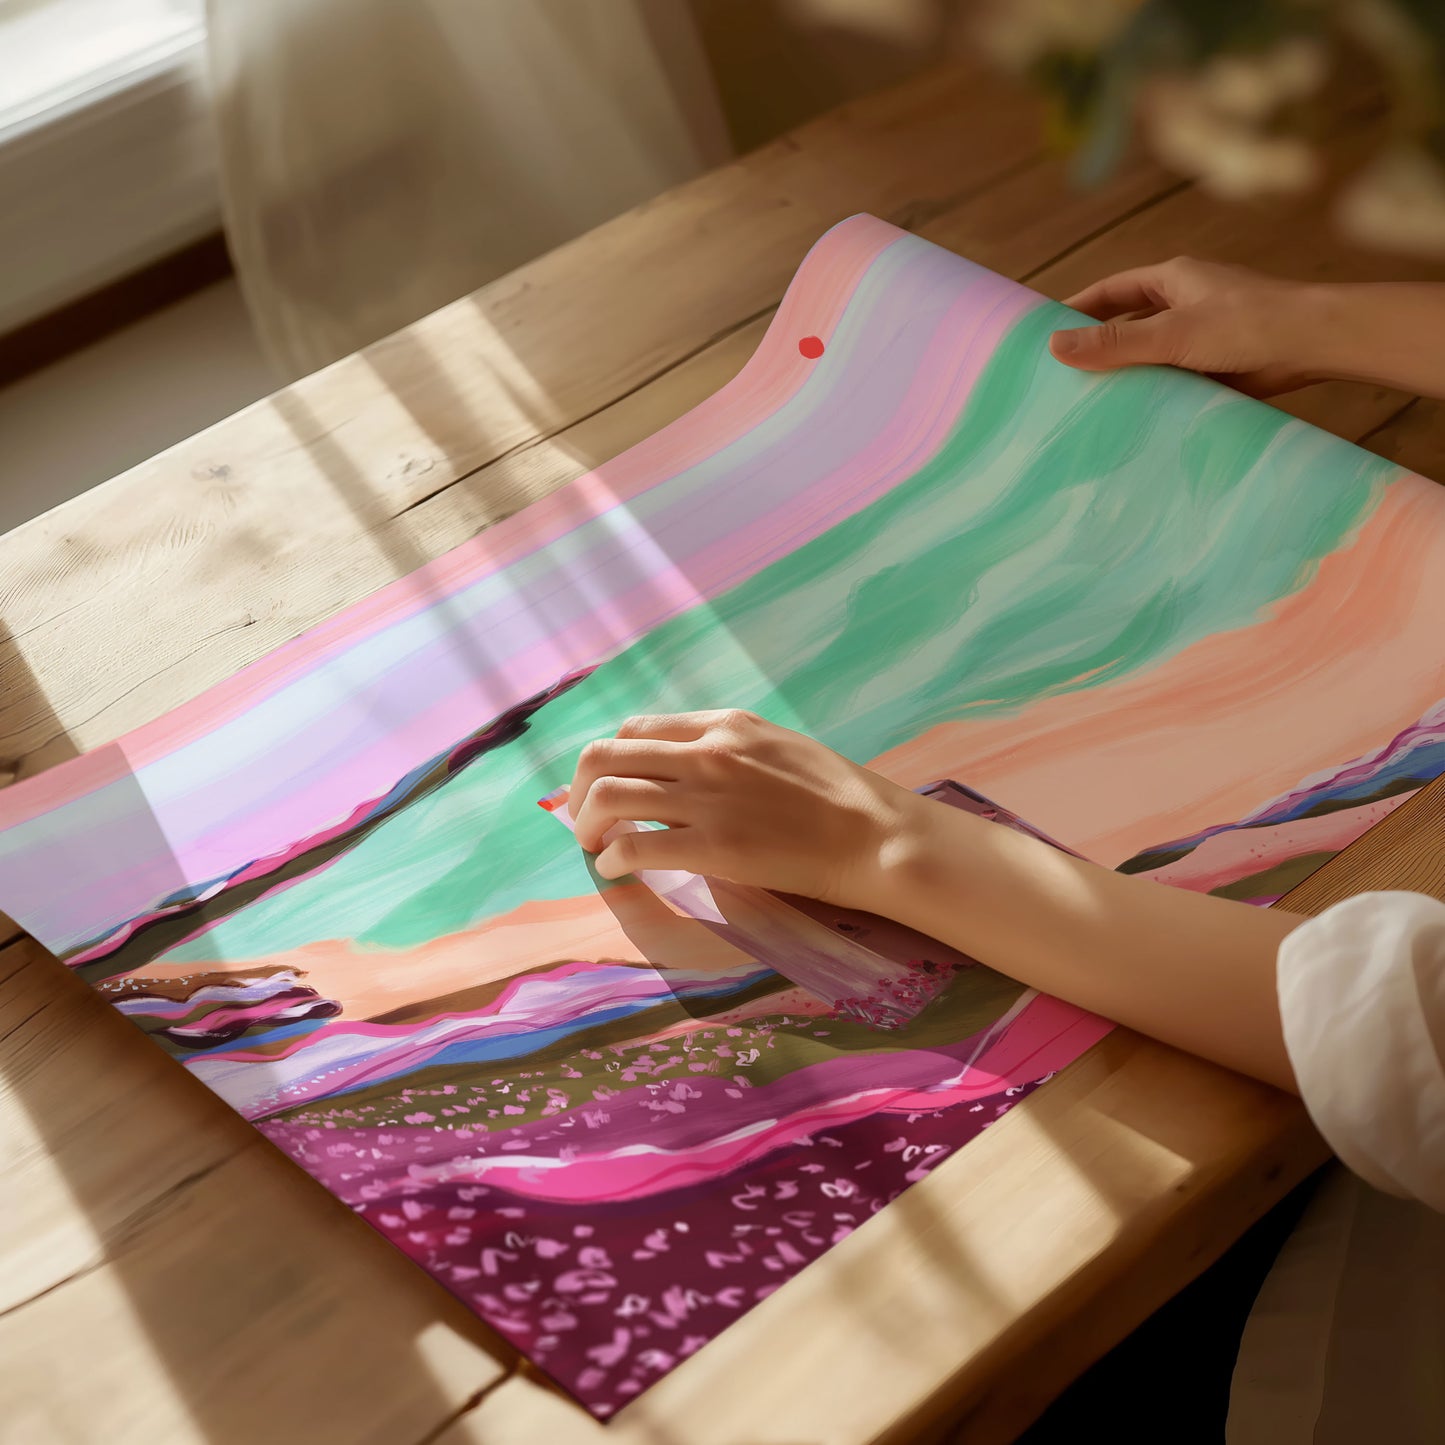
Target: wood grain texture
[1406,850]
[134,1305]
[166,1274]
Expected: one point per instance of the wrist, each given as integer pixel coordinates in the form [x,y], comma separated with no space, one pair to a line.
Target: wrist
[1304,328]
[1352,331]
[982,886]
[918,857]
[894,841]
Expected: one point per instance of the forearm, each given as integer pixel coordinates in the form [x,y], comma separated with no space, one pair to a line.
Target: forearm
[1389,333]
[1194,971]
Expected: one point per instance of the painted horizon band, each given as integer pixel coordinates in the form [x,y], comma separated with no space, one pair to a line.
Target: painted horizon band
[192,910]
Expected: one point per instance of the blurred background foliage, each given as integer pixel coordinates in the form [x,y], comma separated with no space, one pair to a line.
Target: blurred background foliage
[1238,95]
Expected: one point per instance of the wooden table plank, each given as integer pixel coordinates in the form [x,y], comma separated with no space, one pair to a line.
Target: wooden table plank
[168,1275]
[1414,436]
[137,1191]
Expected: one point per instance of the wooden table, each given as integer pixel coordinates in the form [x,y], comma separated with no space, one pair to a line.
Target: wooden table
[166,1275]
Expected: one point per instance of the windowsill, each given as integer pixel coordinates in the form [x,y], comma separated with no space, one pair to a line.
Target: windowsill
[111,166]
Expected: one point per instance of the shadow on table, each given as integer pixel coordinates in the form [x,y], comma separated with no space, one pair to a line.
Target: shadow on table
[210,1272]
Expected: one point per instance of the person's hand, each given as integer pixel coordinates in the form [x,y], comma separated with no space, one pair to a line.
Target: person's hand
[744,800]
[1252,331]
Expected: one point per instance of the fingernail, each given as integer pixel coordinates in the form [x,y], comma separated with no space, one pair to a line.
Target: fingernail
[1065,343]
[600,881]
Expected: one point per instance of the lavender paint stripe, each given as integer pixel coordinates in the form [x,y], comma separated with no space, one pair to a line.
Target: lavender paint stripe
[434,663]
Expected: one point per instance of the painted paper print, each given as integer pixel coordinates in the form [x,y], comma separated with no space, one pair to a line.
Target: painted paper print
[1169,626]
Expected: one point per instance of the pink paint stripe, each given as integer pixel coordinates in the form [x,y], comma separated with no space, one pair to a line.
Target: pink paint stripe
[651,982]
[818,294]
[1223,858]
[1045,1037]
[262,1011]
[963,340]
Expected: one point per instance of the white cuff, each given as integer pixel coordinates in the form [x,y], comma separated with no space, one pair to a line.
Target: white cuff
[1362,1004]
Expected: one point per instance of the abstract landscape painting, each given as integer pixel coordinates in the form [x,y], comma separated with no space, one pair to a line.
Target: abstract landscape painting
[1169,626]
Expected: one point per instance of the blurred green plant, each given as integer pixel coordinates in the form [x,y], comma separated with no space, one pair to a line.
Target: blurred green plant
[1237,93]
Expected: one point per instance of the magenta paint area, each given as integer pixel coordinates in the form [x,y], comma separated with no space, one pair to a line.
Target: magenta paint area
[610,1291]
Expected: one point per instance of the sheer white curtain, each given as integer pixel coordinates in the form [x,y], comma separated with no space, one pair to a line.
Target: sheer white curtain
[381,158]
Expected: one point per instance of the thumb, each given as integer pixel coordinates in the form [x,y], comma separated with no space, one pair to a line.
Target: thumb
[1121,343]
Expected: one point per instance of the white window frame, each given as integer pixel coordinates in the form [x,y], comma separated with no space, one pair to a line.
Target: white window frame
[105,181]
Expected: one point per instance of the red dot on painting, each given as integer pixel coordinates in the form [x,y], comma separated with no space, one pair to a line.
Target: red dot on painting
[811,347]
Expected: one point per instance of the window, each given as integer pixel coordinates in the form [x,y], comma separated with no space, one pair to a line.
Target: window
[107,161]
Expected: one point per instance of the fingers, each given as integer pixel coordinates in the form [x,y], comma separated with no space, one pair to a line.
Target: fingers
[1143,288]
[643,774]
[651,747]
[1156,339]
[655,849]
[678,727]
[623,758]
[612,800]
[1264,383]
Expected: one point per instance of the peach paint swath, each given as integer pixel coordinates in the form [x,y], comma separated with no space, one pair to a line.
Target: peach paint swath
[1132,609]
